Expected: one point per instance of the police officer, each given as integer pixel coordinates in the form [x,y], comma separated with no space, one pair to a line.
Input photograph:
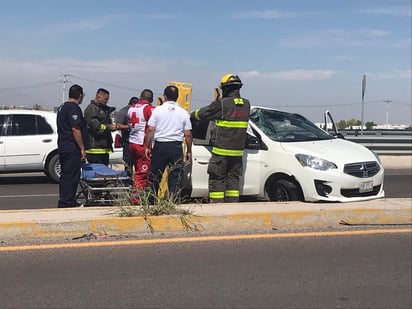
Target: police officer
[231,115]
[72,142]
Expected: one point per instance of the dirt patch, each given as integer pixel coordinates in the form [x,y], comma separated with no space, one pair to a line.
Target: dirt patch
[396,162]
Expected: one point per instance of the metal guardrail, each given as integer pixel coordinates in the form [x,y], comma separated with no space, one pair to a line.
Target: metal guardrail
[388,142]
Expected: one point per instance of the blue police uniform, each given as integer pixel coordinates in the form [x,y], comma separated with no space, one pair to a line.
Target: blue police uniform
[70,116]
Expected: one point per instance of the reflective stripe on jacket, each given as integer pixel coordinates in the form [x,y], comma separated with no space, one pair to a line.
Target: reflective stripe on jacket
[98,123]
[231,115]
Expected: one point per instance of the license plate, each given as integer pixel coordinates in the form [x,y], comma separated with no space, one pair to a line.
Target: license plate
[366,186]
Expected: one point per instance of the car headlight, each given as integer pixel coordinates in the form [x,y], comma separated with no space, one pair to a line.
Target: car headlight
[315,162]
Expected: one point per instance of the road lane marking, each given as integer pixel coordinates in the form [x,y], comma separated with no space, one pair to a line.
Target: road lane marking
[29,195]
[202,239]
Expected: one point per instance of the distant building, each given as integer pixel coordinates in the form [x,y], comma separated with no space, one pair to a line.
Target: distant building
[392,126]
[377,127]
[34,107]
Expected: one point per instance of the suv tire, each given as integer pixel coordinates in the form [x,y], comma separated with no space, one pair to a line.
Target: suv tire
[53,168]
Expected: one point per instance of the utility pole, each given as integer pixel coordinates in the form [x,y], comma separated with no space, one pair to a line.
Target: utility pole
[387,112]
[64,79]
[363,101]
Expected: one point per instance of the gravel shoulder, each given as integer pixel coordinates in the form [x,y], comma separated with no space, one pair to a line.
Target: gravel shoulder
[396,162]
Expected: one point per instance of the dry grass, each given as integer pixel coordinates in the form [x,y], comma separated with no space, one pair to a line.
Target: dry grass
[149,205]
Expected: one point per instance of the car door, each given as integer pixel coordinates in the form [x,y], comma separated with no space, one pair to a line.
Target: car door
[28,139]
[251,180]
[2,142]
[202,151]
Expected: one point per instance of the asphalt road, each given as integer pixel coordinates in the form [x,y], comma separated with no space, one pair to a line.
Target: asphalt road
[34,191]
[350,271]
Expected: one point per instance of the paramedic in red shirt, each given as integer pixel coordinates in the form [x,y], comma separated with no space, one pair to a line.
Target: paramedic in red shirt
[139,114]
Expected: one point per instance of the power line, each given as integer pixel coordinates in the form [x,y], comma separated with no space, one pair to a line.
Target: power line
[402,103]
[324,105]
[123,87]
[29,86]
[208,100]
[103,83]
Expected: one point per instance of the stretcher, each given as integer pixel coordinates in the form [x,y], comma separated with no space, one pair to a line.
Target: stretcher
[102,186]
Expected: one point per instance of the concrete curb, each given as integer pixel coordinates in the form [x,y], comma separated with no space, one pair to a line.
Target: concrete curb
[208,218]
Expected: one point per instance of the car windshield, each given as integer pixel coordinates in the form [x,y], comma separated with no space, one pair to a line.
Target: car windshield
[285,127]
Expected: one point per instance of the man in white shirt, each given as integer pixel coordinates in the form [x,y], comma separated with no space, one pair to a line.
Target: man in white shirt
[168,126]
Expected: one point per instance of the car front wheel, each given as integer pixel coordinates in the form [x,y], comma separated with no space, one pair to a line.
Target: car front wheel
[53,169]
[281,190]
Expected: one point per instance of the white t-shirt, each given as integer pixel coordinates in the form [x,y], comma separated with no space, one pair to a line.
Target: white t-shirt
[170,121]
[137,115]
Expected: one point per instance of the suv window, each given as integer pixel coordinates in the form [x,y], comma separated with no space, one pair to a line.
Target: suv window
[42,126]
[28,125]
[23,125]
[2,126]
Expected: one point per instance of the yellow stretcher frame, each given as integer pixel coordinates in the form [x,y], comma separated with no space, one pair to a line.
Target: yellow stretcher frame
[185,101]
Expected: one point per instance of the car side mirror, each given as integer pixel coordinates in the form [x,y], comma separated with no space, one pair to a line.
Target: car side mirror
[339,135]
[252,142]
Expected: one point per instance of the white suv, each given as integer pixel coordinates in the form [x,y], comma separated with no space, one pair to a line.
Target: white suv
[28,143]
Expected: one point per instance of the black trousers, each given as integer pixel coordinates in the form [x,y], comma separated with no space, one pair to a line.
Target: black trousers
[224,177]
[69,178]
[167,154]
[98,158]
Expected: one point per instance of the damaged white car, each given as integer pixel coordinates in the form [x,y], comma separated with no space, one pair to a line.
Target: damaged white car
[287,157]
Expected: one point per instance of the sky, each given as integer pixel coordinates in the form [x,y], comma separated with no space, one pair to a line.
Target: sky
[298,55]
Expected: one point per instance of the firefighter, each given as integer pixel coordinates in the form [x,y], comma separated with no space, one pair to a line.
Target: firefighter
[231,116]
[99,123]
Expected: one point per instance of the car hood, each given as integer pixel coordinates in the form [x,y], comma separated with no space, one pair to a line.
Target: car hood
[334,150]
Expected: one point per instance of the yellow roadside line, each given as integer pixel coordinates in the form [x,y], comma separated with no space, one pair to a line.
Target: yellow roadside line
[205,238]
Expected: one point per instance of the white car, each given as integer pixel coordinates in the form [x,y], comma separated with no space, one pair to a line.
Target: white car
[28,143]
[287,157]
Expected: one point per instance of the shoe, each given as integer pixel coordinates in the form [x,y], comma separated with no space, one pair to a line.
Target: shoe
[76,204]
[64,206]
